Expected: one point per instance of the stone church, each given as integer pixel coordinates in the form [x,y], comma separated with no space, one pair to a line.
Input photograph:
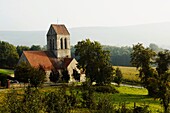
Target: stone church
[57,56]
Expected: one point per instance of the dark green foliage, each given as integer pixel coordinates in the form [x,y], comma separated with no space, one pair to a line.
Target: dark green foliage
[35,47]
[20,49]
[105,106]
[120,56]
[156,82]
[87,95]
[141,58]
[105,89]
[11,103]
[141,110]
[25,73]
[118,76]
[3,79]
[37,76]
[65,76]
[8,55]
[163,78]
[76,75]
[54,76]
[58,102]
[22,72]
[94,61]
[30,102]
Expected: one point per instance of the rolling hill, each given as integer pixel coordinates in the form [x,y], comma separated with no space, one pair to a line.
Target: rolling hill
[158,33]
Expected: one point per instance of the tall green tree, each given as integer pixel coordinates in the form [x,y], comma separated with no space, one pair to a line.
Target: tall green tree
[8,55]
[141,58]
[20,49]
[163,78]
[94,61]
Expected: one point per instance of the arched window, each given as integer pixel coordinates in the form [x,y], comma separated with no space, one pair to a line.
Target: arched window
[61,43]
[65,42]
[53,44]
[50,44]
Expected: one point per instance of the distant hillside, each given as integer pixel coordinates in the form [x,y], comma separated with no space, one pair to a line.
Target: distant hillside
[27,38]
[117,36]
[128,35]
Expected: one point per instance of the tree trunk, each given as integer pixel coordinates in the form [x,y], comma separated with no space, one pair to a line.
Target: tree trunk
[166,104]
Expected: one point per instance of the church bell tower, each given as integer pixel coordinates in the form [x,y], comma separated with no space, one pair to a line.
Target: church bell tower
[58,41]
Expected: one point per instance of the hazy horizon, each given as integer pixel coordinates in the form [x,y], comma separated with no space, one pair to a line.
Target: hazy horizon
[157,33]
[31,15]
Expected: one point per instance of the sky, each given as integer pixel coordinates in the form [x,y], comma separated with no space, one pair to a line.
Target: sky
[33,15]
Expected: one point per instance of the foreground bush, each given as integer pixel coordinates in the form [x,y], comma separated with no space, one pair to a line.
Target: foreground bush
[105,89]
[64,99]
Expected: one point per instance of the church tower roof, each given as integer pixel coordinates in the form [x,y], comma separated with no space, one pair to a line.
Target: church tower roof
[60,29]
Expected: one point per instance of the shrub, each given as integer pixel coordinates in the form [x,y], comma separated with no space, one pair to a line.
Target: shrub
[29,102]
[118,77]
[105,106]
[58,101]
[65,76]
[76,75]
[25,73]
[54,76]
[105,89]
[3,79]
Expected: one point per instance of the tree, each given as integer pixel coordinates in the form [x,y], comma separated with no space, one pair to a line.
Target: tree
[157,82]
[141,58]
[20,49]
[54,76]
[163,78]
[35,47]
[118,76]
[8,55]
[25,73]
[37,76]
[65,76]
[22,72]
[94,61]
[76,75]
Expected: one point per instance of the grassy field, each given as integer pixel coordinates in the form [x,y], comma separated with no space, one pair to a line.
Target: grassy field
[6,71]
[130,74]
[129,95]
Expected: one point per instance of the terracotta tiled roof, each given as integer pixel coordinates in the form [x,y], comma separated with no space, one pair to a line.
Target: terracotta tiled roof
[36,58]
[47,59]
[60,29]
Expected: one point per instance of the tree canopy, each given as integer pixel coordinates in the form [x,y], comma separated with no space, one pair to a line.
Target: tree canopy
[94,61]
[20,49]
[156,81]
[8,55]
[27,74]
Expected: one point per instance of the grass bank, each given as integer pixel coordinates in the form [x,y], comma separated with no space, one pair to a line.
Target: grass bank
[6,71]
